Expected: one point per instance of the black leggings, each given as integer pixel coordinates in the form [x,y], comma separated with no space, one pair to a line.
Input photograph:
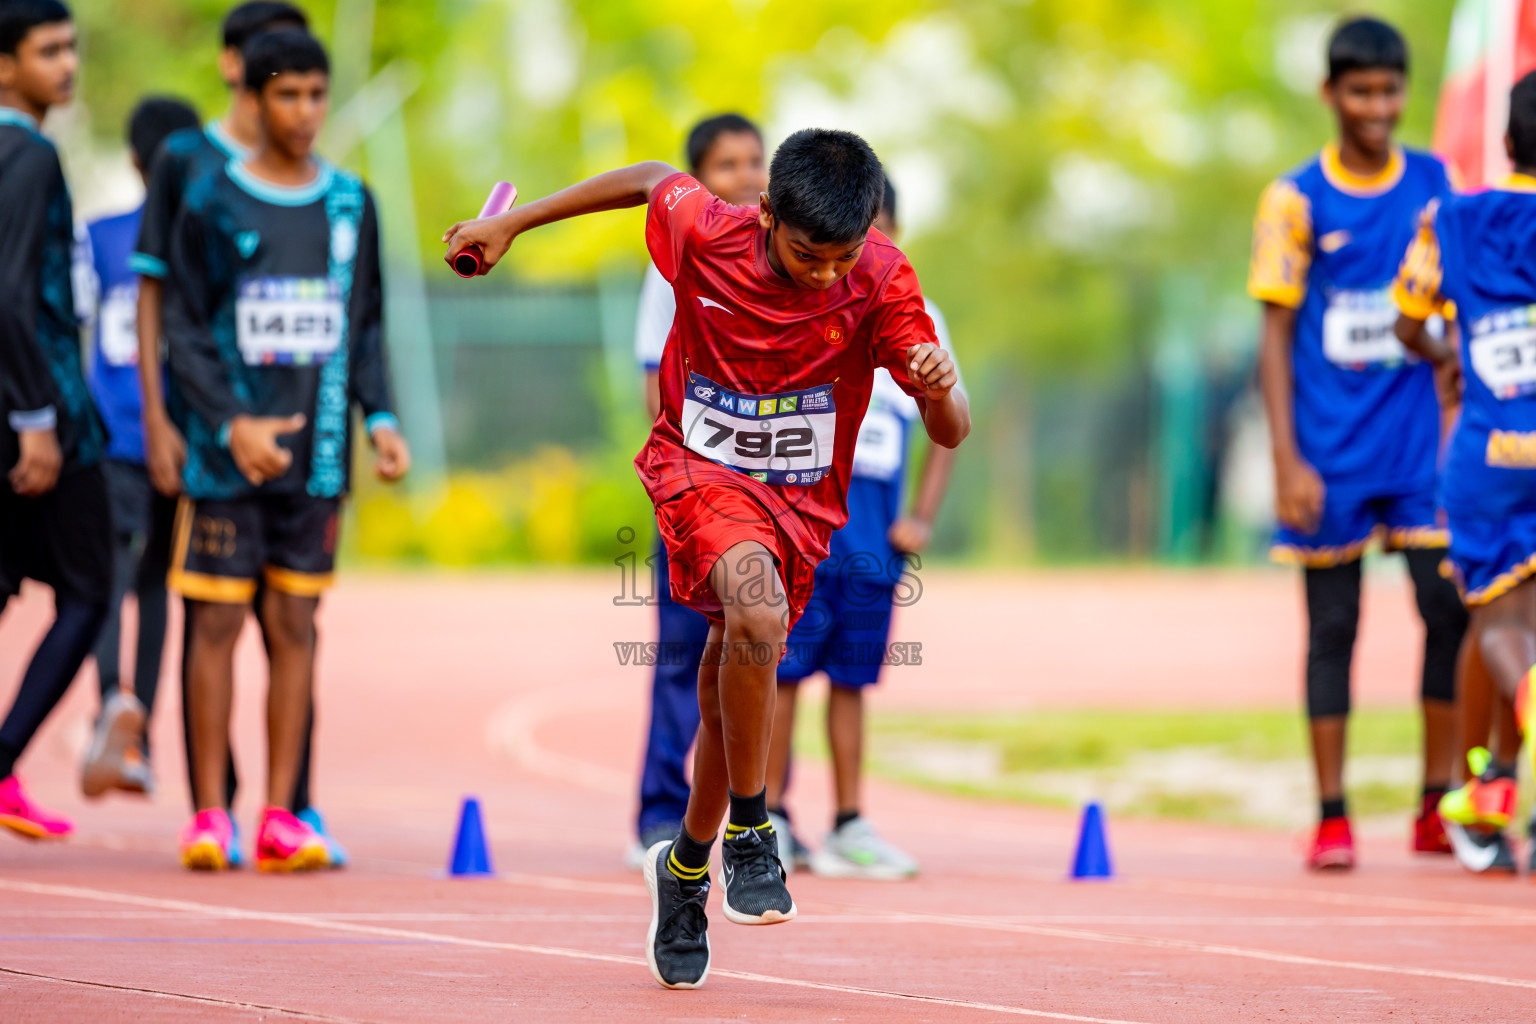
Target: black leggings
[1333,618]
[58,658]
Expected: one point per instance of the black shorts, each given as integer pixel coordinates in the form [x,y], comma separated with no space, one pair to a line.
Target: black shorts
[63,538]
[222,547]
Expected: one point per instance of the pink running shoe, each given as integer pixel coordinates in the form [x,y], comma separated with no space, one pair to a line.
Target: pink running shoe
[207,840]
[19,814]
[284,843]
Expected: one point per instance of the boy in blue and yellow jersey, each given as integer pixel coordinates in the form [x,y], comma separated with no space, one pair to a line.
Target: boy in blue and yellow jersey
[274,323]
[1479,252]
[55,525]
[141,517]
[1352,416]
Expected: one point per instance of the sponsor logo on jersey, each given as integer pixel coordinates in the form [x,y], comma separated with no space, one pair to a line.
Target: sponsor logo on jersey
[790,477]
[705,394]
[788,404]
[1333,241]
[761,478]
[708,303]
[727,402]
[746,406]
[247,241]
[815,401]
[676,193]
[835,334]
[767,406]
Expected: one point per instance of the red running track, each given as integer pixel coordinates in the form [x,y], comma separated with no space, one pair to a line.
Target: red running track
[509,687]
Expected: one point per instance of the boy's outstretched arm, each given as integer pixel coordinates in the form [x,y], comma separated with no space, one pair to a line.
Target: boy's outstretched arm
[612,190]
[946,412]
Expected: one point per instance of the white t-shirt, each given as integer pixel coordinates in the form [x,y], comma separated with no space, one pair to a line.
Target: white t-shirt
[881,450]
[658,305]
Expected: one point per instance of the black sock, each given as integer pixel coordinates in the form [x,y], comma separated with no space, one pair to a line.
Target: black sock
[1333,808]
[1500,770]
[688,860]
[748,813]
[843,818]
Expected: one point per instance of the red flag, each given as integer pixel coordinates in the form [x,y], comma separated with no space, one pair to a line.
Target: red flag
[1493,43]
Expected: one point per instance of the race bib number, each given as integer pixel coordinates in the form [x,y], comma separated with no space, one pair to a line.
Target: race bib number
[118,326]
[1357,330]
[1503,350]
[784,439]
[288,320]
[882,443]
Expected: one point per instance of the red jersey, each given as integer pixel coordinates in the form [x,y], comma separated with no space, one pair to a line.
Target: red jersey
[764,384]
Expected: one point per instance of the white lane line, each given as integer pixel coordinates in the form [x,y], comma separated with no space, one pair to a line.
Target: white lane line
[1188,946]
[812,917]
[155,993]
[1230,890]
[239,913]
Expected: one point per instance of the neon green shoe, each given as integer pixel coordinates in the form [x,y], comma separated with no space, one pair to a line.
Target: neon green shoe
[1481,803]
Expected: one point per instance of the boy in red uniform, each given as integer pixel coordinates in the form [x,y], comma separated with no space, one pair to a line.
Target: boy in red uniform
[784,314]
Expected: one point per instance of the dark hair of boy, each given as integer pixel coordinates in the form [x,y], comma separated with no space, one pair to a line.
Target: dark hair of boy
[1361,44]
[888,201]
[827,183]
[152,120]
[1522,122]
[707,131]
[249,20]
[18,17]
[274,53]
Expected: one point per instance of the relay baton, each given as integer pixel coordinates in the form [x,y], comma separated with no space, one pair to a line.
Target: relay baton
[469,260]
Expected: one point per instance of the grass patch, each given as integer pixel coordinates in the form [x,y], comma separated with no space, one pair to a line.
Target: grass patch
[1057,740]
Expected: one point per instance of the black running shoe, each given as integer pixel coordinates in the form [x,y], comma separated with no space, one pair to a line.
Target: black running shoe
[677,946]
[754,878]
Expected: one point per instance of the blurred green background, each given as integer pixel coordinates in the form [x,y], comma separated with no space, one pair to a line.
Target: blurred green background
[1078,181]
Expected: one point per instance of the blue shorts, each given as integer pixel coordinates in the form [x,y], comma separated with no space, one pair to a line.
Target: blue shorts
[1491,555]
[1349,523]
[843,631]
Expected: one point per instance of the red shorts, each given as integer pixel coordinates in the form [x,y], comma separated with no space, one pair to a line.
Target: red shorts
[707,520]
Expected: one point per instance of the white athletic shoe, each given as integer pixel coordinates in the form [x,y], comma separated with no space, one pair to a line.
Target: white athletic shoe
[857,851]
[114,761]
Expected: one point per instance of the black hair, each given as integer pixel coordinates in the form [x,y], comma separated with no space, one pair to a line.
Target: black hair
[18,17]
[827,183]
[246,21]
[152,120]
[273,53]
[1361,44]
[888,202]
[1522,121]
[704,134]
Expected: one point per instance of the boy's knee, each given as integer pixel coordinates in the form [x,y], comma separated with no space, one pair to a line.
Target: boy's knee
[218,624]
[290,620]
[757,624]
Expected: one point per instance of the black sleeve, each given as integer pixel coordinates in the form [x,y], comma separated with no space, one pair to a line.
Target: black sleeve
[370,363]
[162,200]
[29,179]
[190,302]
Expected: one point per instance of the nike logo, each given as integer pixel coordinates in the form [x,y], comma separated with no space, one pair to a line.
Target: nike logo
[727,873]
[707,302]
[1476,854]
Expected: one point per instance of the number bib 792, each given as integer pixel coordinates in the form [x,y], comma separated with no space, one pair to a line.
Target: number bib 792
[288,320]
[782,439]
[1503,351]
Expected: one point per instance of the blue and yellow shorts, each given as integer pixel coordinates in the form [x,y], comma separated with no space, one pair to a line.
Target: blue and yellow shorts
[1350,523]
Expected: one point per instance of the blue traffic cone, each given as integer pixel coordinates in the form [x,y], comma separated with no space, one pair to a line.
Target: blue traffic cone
[1092,857]
[471,855]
